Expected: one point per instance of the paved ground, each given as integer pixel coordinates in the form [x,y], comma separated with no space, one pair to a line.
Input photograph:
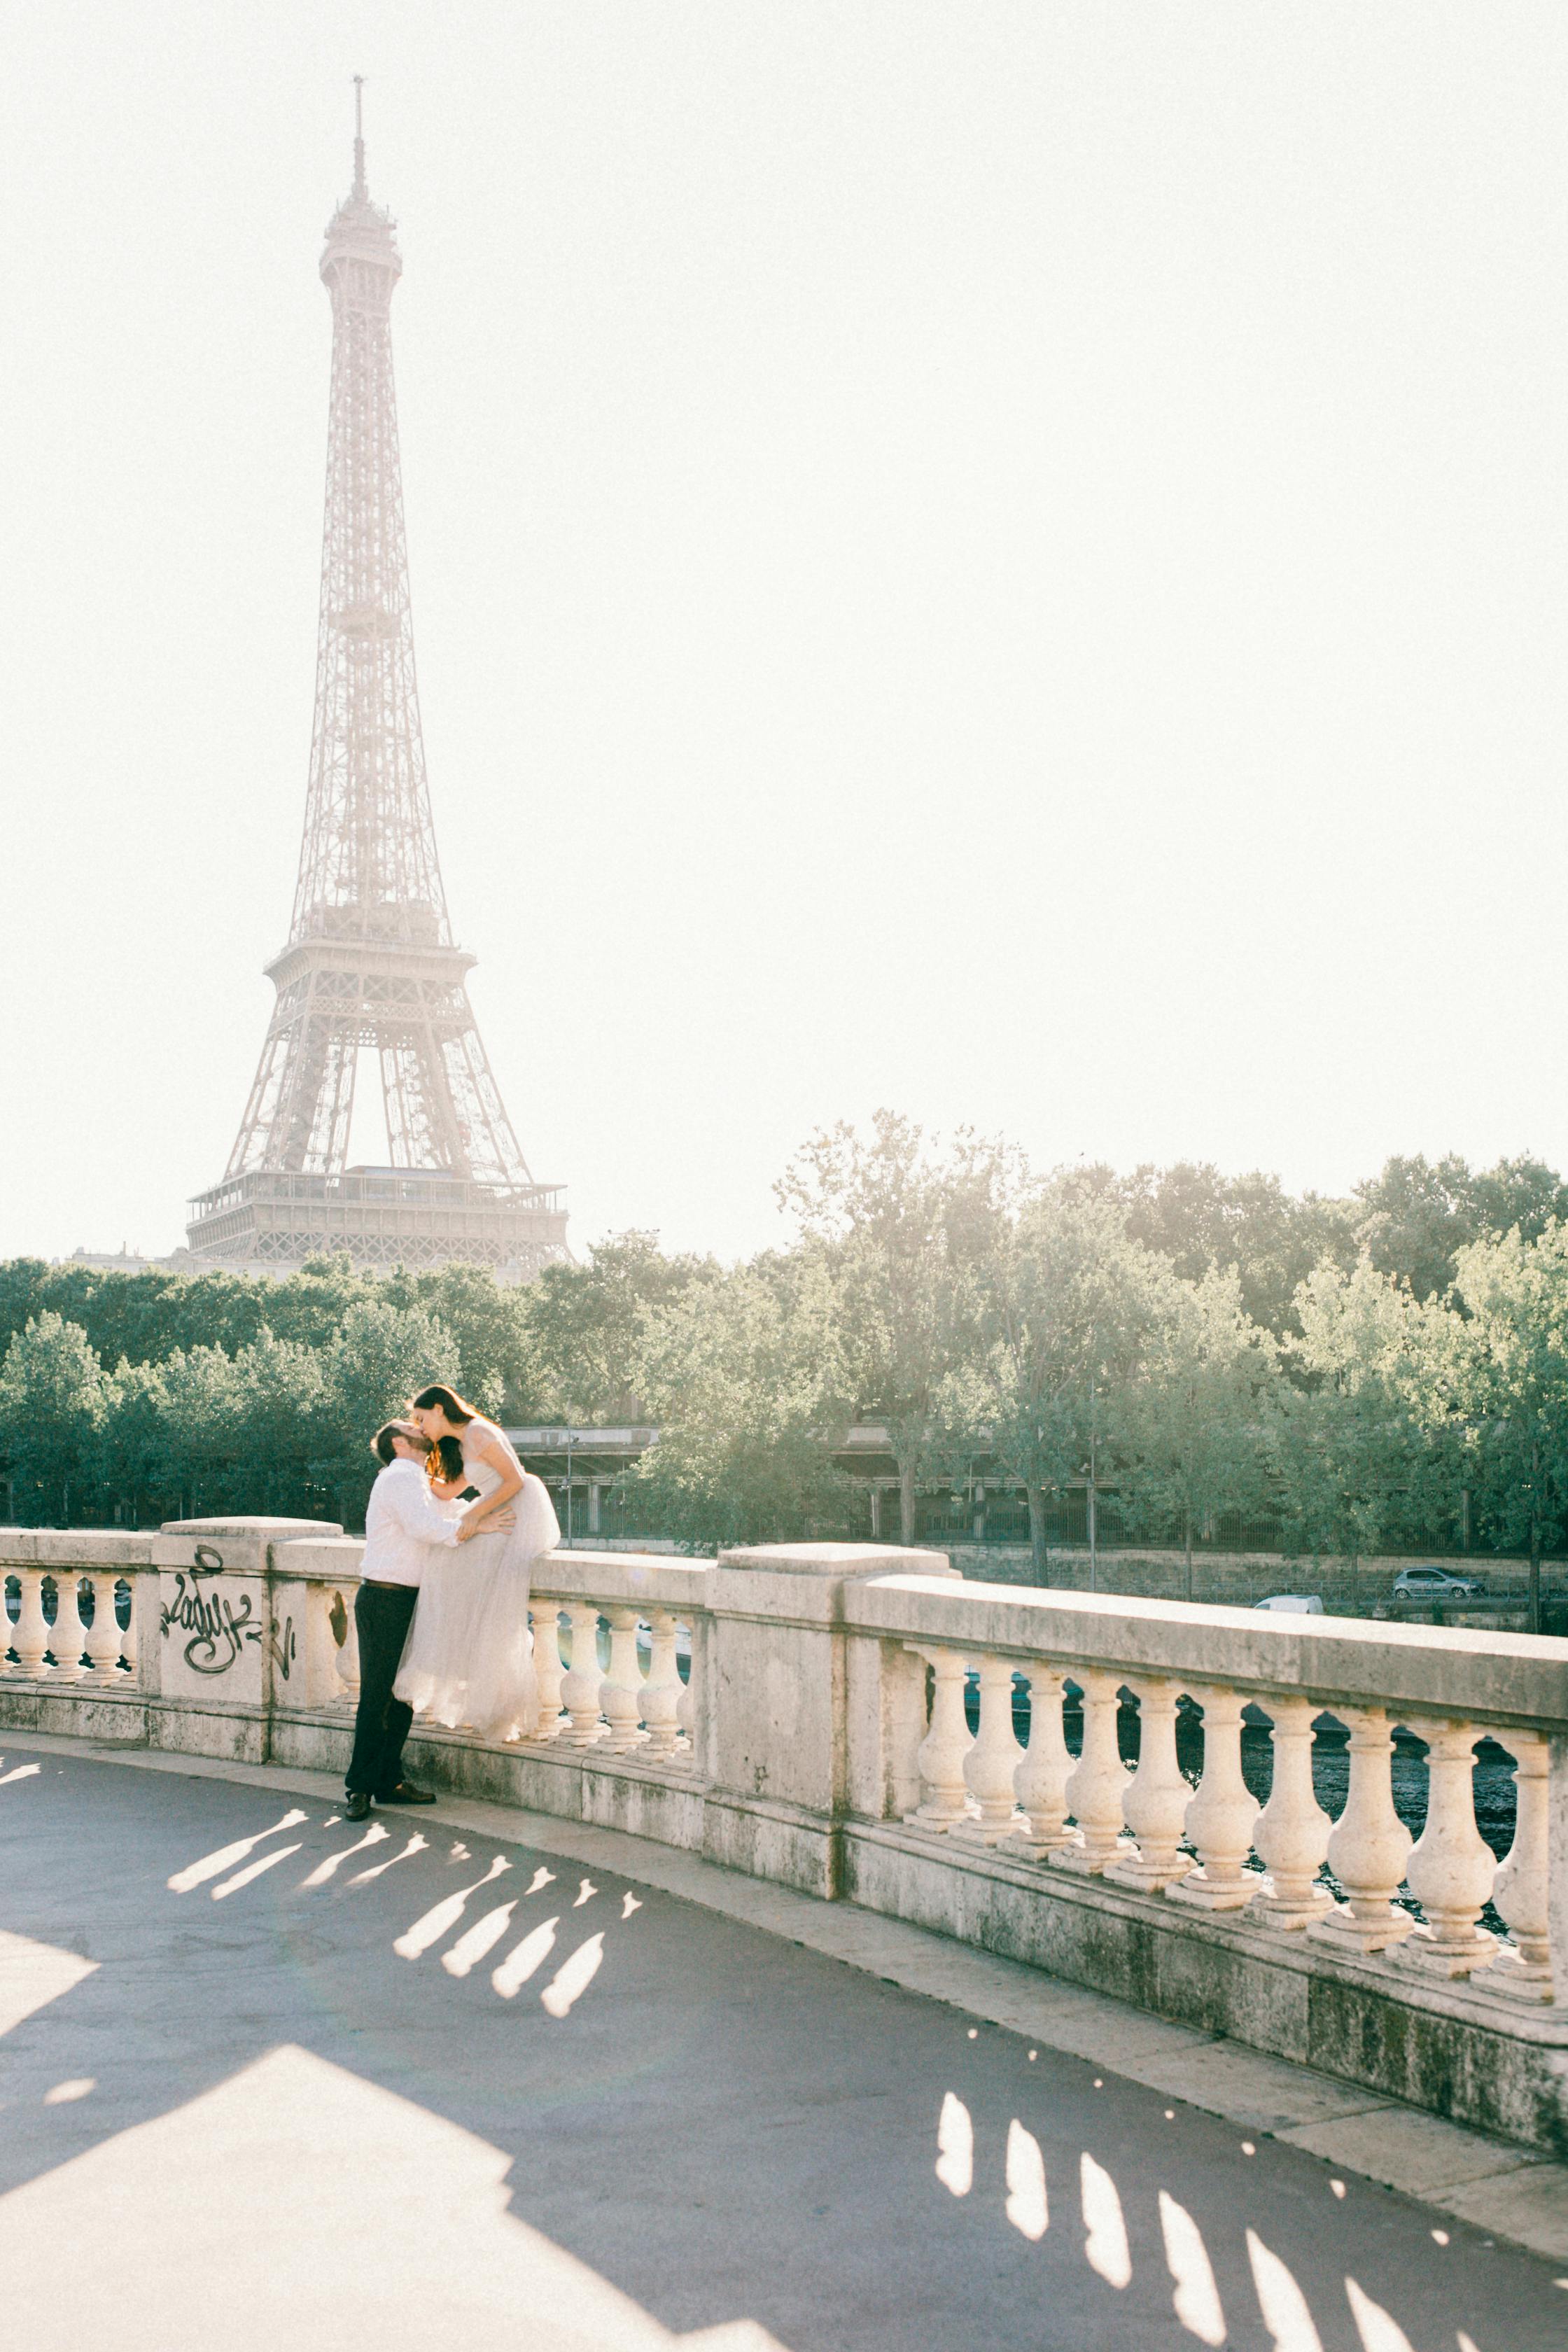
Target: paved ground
[254,2118]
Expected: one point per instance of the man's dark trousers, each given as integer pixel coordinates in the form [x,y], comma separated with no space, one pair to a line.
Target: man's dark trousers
[382,1614]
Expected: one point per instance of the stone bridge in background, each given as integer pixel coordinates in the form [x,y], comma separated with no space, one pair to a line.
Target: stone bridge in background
[1297,1883]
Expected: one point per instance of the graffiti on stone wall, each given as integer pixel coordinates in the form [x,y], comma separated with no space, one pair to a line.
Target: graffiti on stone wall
[217,1630]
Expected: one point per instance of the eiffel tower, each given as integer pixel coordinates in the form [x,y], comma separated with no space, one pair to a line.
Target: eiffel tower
[370,961]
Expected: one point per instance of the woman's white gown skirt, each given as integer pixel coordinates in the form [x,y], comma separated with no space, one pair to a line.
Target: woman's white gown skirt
[469,1656]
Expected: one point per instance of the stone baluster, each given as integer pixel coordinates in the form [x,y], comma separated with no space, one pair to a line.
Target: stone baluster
[1292,1832]
[1451,1866]
[348,1650]
[67,1635]
[136,1583]
[1098,1782]
[945,1793]
[548,1672]
[1521,1969]
[993,1759]
[1368,1845]
[1221,1815]
[1155,1804]
[580,1686]
[103,1640]
[621,1692]
[1039,1784]
[30,1634]
[661,1692]
[686,1709]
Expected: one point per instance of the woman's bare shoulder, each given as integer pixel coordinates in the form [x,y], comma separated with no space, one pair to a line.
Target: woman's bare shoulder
[479,1435]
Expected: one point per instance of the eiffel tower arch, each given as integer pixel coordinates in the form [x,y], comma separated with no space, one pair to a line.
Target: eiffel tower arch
[371,962]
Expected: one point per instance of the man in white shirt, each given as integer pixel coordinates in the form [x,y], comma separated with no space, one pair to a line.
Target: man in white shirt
[403,1521]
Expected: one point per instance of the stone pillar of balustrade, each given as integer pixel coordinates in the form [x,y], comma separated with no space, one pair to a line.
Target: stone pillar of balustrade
[801,1725]
[1292,1832]
[139,1639]
[1156,1799]
[1040,1781]
[1451,1867]
[1097,1785]
[311,1648]
[663,1689]
[584,1679]
[30,1634]
[621,1691]
[1521,1969]
[103,1635]
[1221,1814]
[991,1763]
[67,1635]
[943,1755]
[234,1637]
[1369,1845]
[1557,1865]
[548,1670]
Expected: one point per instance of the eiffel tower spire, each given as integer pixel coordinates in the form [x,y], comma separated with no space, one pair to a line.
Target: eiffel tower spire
[370,961]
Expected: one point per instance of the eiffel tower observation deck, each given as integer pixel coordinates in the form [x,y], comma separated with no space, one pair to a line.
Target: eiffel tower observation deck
[371,962]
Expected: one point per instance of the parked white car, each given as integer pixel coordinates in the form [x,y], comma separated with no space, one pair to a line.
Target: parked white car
[1304,1605]
[1430,1583]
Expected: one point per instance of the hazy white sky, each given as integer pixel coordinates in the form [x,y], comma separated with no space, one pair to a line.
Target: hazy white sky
[1007,560]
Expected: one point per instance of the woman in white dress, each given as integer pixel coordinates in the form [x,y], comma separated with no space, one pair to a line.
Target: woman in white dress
[468,1658]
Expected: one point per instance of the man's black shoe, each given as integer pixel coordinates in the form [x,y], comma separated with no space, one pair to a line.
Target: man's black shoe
[405,1794]
[356,1805]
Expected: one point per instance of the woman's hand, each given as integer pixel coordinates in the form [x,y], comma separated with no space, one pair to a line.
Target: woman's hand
[492,1523]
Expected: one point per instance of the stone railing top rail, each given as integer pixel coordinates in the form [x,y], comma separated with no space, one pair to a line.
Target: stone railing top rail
[1430,1670]
[257,1530]
[640,1579]
[87,1548]
[840,1560]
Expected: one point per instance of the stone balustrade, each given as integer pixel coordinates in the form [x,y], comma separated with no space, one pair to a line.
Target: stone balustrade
[1199,1835]
[1192,1807]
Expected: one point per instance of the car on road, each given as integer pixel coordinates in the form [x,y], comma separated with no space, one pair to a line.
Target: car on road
[1303,1604]
[1432,1583]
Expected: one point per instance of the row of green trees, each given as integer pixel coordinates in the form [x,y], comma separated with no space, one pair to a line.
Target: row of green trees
[1369,1373]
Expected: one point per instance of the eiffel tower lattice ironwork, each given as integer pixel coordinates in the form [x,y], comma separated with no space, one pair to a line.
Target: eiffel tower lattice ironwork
[370,959]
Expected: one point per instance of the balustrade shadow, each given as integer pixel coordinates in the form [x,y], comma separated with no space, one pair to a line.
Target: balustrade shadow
[724,2124]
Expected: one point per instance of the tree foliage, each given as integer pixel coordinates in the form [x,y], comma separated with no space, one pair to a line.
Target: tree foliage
[745,1377]
[900,1231]
[1366,1374]
[586,1325]
[1194,1435]
[1067,1305]
[53,1400]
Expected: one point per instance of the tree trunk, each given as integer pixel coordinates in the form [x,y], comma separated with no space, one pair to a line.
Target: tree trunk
[1037,1532]
[905,1502]
[1188,1527]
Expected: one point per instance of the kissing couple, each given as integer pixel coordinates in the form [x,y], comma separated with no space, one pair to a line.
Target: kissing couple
[442,1607]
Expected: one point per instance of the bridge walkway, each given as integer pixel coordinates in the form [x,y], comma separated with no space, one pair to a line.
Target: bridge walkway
[492,2079]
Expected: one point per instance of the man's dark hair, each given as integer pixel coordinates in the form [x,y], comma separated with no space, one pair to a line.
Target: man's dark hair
[380,1444]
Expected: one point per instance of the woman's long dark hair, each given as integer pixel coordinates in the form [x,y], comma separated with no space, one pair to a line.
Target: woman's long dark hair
[447,1459]
[450,1403]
